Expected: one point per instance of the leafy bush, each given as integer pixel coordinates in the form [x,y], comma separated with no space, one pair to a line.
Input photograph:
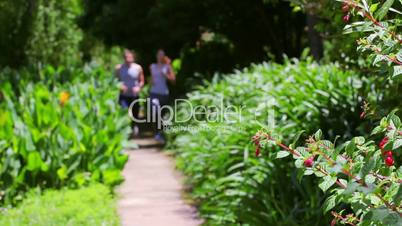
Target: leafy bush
[233,187]
[379,30]
[89,206]
[57,134]
[368,183]
[366,175]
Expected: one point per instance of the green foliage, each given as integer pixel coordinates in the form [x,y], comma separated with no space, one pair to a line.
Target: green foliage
[358,173]
[39,32]
[57,134]
[88,206]
[55,36]
[15,27]
[379,30]
[231,185]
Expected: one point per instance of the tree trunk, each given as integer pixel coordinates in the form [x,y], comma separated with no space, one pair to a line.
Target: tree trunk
[314,37]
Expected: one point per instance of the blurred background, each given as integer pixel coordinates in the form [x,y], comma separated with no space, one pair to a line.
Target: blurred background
[204,37]
[326,64]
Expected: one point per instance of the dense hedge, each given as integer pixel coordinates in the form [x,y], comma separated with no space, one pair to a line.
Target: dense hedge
[229,182]
[58,134]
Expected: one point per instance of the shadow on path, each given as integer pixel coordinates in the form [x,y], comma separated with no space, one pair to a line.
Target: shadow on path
[152,192]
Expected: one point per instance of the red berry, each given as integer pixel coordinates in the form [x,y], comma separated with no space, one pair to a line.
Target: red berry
[257,151]
[389,161]
[383,142]
[362,115]
[309,162]
[346,18]
[388,154]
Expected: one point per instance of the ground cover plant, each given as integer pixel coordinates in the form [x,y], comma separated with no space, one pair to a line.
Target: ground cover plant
[93,205]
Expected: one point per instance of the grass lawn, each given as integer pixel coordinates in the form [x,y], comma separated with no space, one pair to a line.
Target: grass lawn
[90,206]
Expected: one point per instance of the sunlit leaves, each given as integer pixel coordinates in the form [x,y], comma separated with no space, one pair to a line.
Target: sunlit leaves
[47,144]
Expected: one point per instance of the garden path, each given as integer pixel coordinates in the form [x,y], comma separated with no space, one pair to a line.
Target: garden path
[151,194]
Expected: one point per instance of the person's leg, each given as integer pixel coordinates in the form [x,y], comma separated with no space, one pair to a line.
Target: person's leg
[158,101]
[154,111]
[123,102]
[135,108]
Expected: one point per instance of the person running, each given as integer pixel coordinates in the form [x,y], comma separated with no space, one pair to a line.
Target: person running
[161,73]
[131,77]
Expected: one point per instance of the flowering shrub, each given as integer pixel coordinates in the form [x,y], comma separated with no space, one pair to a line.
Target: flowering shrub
[219,160]
[380,24]
[359,173]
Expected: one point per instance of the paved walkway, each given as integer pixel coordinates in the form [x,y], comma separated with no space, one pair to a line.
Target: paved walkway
[152,192]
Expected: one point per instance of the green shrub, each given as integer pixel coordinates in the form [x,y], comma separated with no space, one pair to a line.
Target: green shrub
[231,185]
[57,134]
[358,174]
[93,205]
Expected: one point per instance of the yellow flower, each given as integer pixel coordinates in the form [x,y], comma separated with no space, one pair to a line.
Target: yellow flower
[63,97]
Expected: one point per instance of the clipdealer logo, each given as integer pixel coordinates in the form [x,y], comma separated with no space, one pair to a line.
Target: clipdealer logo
[183,110]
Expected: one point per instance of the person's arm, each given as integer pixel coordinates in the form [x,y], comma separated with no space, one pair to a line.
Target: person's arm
[141,81]
[171,76]
[116,70]
[141,78]
[123,88]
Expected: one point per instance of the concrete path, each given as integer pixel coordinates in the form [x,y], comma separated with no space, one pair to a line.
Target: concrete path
[152,192]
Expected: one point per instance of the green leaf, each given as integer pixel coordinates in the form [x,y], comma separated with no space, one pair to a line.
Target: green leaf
[297,137]
[62,173]
[318,135]
[373,7]
[367,167]
[395,119]
[308,172]
[386,216]
[282,154]
[350,148]
[34,161]
[327,183]
[377,130]
[329,203]
[359,140]
[369,179]
[382,12]
[299,163]
[397,144]
[112,177]
[397,71]
[351,187]
[398,196]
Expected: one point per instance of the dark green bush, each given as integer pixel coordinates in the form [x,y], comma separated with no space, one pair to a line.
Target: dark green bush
[229,182]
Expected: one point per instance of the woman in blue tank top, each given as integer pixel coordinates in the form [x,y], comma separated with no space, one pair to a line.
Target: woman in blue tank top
[161,73]
[131,77]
